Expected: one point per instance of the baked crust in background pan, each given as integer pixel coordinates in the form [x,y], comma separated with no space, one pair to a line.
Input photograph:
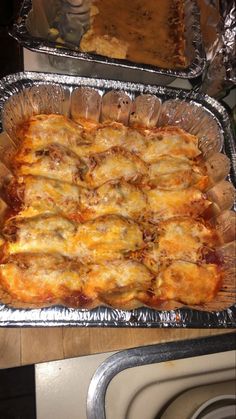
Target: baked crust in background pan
[147,32]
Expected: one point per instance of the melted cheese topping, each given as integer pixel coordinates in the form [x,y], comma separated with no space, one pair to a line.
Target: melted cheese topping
[188,283]
[54,161]
[106,237]
[112,165]
[135,141]
[113,198]
[41,278]
[112,135]
[42,130]
[122,276]
[54,279]
[180,238]
[100,139]
[176,173]
[50,233]
[107,214]
[166,204]
[40,196]
[180,180]
[170,141]
[168,164]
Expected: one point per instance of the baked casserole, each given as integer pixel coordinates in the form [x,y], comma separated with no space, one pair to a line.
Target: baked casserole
[104,213]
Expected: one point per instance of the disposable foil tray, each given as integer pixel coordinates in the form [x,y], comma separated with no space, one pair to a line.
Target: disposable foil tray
[216,123]
[31,32]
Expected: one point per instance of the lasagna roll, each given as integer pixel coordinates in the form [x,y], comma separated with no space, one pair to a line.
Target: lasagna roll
[33,195]
[42,130]
[170,141]
[188,283]
[118,283]
[41,278]
[118,197]
[53,161]
[43,233]
[107,237]
[180,238]
[184,202]
[114,164]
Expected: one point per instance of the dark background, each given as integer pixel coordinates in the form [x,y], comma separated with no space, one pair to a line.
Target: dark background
[11,56]
[17,393]
[17,385]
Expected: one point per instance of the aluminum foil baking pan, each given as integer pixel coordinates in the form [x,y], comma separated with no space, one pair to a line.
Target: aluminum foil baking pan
[216,124]
[25,32]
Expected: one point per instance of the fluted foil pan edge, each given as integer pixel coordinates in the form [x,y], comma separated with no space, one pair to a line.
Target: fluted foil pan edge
[104,316]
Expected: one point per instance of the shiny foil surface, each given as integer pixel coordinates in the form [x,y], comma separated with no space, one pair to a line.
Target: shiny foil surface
[63,86]
[218,25]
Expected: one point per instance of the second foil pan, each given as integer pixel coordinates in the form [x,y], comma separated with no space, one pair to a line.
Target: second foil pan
[31,29]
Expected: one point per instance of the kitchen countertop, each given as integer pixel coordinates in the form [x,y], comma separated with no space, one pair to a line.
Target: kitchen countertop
[22,346]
